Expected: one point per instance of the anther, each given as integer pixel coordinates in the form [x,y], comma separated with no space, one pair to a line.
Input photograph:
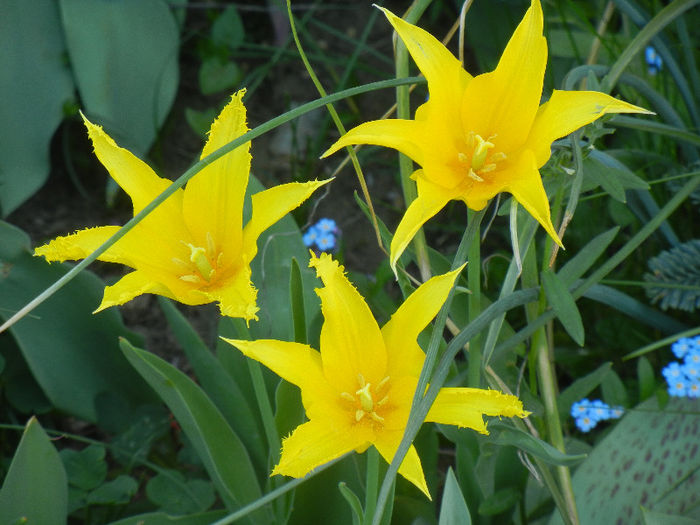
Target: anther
[347,397]
[474,176]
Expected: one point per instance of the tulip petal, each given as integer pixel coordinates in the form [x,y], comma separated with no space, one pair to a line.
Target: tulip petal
[405,358]
[313,444]
[465,407]
[431,199]
[236,296]
[503,104]
[270,205]
[80,244]
[351,342]
[133,175]
[446,77]
[566,111]
[526,186]
[406,136]
[213,201]
[132,285]
[410,468]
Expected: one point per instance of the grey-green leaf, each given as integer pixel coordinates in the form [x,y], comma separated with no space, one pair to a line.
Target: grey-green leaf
[453,510]
[35,487]
[505,434]
[581,388]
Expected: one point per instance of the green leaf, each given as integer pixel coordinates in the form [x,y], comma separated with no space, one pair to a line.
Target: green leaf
[200,121]
[500,501]
[35,84]
[353,501]
[119,491]
[509,435]
[86,469]
[289,411]
[453,510]
[646,378]
[219,386]
[649,459]
[563,305]
[175,495]
[586,256]
[227,30]
[659,518]
[581,388]
[59,338]
[221,451]
[35,488]
[124,57]
[161,518]
[296,295]
[217,75]
[614,391]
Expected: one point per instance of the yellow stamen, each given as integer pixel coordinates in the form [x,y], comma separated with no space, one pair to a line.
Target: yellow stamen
[366,398]
[474,176]
[191,278]
[480,152]
[347,397]
[198,256]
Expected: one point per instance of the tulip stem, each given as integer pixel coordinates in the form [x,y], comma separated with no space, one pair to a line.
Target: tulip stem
[474,280]
[372,485]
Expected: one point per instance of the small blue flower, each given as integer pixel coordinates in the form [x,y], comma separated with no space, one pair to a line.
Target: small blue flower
[326,242]
[654,62]
[310,236]
[672,371]
[678,387]
[599,410]
[326,226]
[681,347]
[693,388]
[580,408]
[691,367]
[616,412]
[585,423]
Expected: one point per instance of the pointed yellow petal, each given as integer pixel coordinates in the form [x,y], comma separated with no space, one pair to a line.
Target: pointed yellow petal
[351,342]
[294,362]
[79,245]
[313,444]
[406,136]
[270,205]
[431,199]
[410,468]
[526,186]
[464,407]
[446,77]
[131,285]
[502,104]
[566,111]
[404,355]
[213,201]
[133,175]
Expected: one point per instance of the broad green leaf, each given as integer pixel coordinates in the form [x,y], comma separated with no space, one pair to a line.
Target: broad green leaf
[614,392]
[580,389]
[124,57]
[35,84]
[72,353]
[86,469]
[221,451]
[563,305]
[606,178]
[200,121]
[289,411]
[118,491]
[296,297]
[219,386]
[649,459]
[175,495]
[505,434]
[453,509]
[500,501]
[35,487]
[658,518]
[586,256]
[161,518]
[227,30]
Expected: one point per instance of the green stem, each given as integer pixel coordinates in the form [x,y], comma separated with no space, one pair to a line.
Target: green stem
[474,302]
[191,172]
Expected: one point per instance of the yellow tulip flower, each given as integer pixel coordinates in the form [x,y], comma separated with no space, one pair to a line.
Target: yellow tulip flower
[357,391]
[193,247]
[479,136]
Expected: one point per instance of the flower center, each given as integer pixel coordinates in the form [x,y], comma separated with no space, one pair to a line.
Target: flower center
[199,267]
[479,159]
[363,400]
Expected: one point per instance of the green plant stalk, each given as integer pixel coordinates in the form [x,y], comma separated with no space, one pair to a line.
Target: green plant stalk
[474,302]
[338,124]
[403,111]
[371,485]
[655,25]
[611,263]
[192,171]
[663,342]
[262,398]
